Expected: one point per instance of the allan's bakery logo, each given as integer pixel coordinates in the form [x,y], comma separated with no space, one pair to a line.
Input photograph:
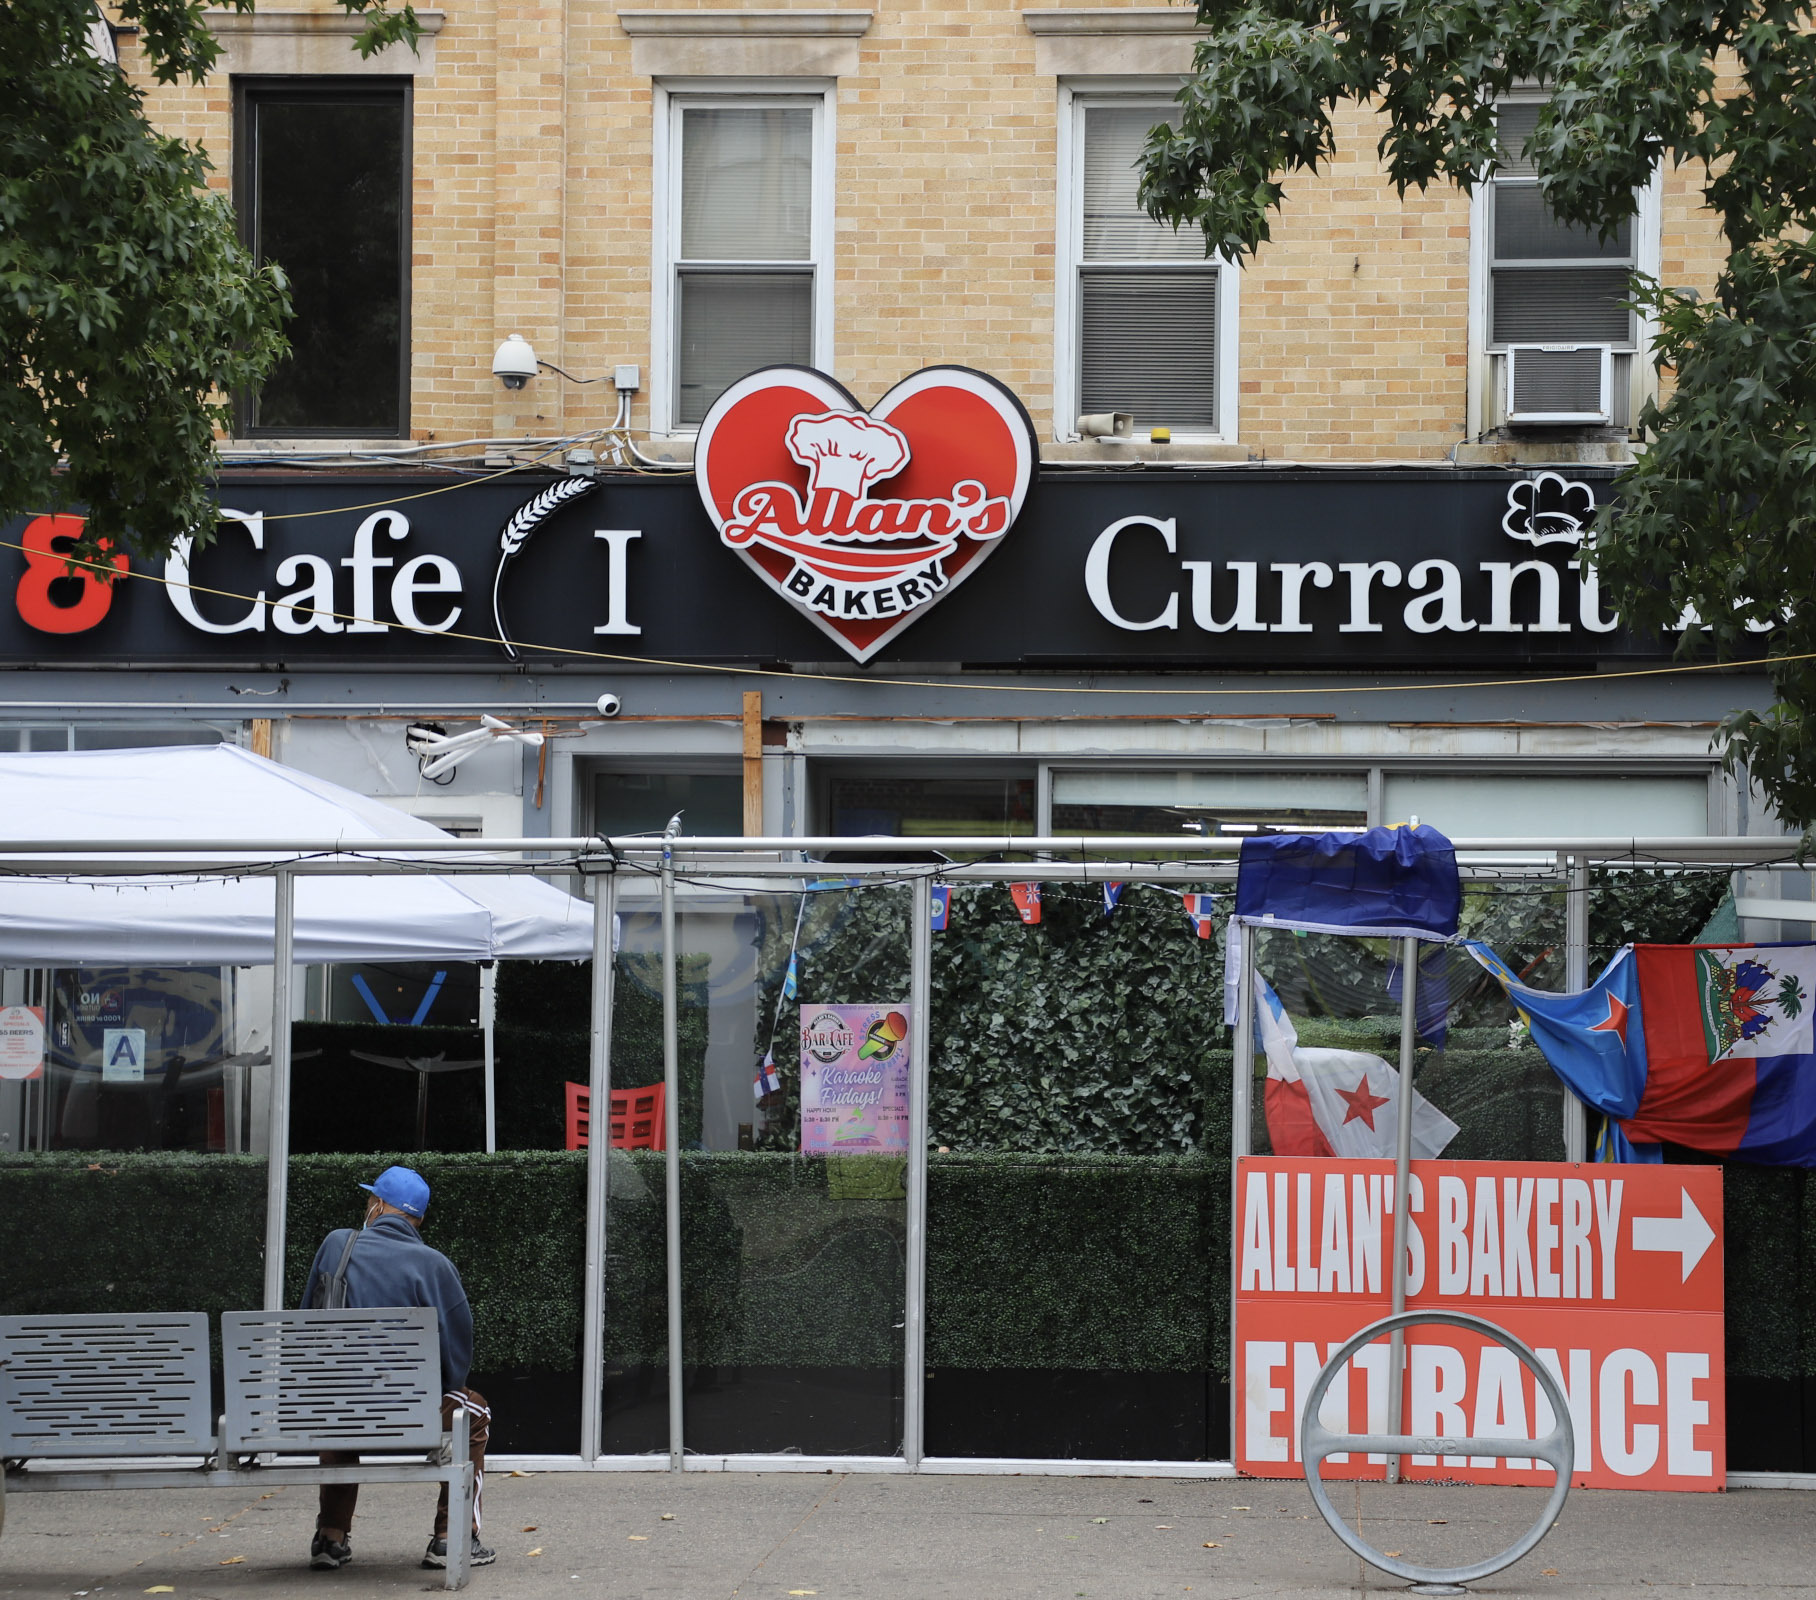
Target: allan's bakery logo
[861,519]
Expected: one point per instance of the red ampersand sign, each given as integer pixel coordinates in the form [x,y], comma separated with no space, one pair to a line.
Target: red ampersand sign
[47,542]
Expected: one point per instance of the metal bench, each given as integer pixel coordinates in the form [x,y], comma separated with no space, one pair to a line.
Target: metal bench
[119,1402]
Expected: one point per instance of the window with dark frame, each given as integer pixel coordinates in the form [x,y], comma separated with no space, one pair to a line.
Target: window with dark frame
[322,185]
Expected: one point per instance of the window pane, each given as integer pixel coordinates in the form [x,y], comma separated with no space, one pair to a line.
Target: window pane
[1514,125]
[734,322]
[1555,305]
[1115,227]
[328,199]
[923,806]
[711,803]
[1148,344]
[1525,230]
[1233,802]
[746,184]
[1487,807]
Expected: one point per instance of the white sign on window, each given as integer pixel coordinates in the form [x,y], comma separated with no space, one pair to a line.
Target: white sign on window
[123,1055]
[21,1042]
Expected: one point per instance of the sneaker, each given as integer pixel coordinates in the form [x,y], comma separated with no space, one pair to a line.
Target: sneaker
[478,1556]
[325,1554]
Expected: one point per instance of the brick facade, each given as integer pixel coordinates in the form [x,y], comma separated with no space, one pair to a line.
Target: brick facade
[532,214]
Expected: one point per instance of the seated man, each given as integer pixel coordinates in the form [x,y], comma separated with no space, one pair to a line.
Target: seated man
[389,1265]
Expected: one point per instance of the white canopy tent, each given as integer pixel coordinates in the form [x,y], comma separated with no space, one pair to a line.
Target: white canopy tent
[217,794]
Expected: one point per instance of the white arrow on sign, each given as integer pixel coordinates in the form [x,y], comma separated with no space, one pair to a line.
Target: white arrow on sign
[1689,1234]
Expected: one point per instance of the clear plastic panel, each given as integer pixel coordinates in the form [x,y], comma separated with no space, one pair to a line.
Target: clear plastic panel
[794,1199]
[1077,1286]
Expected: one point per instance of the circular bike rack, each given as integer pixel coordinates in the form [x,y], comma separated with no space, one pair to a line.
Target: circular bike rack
[1557,1449]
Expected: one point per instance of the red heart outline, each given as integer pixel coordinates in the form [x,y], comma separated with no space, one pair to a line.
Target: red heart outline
[961,426]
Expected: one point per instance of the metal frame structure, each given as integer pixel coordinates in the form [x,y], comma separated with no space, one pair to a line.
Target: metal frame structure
[758,864]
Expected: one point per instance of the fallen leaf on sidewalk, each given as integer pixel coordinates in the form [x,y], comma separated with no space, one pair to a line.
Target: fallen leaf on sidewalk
[1163,1527]
[536,1552]
[1548,1572]
[518,1472]
[1212,1544]
[531,1528]
[668,1516]
[1100,1519]
[641,1538]
[231,1561]
[161,1588]
[1437,1522]
[1241,1508]
[803,1591]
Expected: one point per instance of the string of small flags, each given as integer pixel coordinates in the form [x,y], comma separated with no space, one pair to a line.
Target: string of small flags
[768,1080]
[1198,907]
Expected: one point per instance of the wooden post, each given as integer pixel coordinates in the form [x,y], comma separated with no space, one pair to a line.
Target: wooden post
[261,737]
[753,763]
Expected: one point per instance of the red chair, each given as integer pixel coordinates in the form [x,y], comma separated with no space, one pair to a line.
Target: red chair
[636,1120]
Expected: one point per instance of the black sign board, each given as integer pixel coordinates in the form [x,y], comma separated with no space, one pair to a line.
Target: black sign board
[1247,568]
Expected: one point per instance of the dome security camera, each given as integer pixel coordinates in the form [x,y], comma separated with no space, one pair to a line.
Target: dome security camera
[609,705]
[514,362]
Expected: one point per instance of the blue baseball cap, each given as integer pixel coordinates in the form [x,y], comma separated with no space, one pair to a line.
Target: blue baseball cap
[400,1187]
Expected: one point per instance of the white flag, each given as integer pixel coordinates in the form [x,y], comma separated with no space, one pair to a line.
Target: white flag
[1336,1102]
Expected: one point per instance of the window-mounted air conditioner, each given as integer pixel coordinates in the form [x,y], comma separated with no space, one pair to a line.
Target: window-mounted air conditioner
[1560,383]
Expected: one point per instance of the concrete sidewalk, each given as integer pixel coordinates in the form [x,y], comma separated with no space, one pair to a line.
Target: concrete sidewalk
[784,1536]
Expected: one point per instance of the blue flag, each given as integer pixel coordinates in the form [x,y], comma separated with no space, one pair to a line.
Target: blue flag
[1112,892]
[1388,880]
[790,982]
[1595,1040]
[942,906]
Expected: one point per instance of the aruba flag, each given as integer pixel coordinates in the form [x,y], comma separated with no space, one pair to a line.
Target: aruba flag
[1707,1046]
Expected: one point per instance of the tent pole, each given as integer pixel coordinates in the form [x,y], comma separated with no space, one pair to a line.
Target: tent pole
[488,1018]
[1576,979]
[671,1132]
[598,1171]
[1396,1358]
[277,1152]
[1242,1082]
[920,1026]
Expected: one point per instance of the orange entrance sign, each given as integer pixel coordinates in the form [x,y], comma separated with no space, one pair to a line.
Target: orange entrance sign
[1611,1274]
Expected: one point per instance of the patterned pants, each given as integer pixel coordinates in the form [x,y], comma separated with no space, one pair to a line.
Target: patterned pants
[339,1499]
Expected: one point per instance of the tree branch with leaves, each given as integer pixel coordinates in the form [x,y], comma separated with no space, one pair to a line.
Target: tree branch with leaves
[1718,517]
[129,309]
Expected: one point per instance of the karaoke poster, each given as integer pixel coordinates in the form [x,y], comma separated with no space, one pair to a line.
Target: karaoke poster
[854,1080]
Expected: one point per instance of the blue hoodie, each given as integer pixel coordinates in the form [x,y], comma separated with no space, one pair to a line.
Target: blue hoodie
[391,1266]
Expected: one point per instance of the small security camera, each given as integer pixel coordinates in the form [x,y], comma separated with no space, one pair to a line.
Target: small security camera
[609,705]
[514,362]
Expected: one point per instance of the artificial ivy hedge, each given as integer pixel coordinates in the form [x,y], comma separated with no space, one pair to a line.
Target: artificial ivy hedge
[1116,1263]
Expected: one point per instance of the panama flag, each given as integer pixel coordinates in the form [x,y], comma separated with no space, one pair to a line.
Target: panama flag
[1707,1046]
[1335,1102]
[1198,911]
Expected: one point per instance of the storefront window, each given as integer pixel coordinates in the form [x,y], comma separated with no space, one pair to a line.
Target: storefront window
[922,806]
[1509,807]
[710,804]
[1222,802]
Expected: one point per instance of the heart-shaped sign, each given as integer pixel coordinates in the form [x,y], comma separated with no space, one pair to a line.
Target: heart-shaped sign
[863,520]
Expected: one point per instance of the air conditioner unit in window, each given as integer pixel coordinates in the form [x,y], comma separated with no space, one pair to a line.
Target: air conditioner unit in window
[1560,383]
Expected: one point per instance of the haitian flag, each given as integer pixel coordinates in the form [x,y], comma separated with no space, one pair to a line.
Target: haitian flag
[1706,1046]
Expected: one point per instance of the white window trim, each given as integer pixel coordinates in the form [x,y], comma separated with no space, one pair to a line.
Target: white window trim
[1642,381]
[671,98]
[1069,247]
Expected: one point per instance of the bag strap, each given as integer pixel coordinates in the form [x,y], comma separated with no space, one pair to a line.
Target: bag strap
[334,1291]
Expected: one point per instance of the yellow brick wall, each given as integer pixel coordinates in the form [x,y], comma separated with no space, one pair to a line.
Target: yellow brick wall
[532,215]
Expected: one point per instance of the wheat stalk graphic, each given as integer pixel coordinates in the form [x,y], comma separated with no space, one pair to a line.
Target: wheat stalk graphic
[523,522]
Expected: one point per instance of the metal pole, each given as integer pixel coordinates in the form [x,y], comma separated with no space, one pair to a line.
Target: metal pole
[1242,1082]
[277,1140]
[488,1027]
[1409,1029]
[598,1172]
[920,1027]
[1576,979]
[671,1124]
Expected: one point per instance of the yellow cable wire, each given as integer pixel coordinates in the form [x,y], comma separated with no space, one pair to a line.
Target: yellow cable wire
[947,683]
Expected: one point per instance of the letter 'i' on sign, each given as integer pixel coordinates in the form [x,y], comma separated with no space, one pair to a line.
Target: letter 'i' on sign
[1612,1276]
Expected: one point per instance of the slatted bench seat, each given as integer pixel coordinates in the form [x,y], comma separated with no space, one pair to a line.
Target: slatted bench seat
[122,1402]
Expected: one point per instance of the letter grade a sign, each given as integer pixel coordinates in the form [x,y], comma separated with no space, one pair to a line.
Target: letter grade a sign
[1612,1274]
